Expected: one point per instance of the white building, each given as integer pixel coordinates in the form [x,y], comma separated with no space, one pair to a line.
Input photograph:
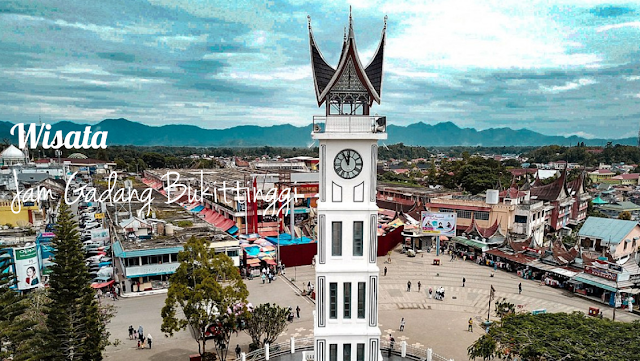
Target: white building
[346,319]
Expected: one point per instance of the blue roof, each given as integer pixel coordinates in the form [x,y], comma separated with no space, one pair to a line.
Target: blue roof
[607,229]
[120,253]
[285,240]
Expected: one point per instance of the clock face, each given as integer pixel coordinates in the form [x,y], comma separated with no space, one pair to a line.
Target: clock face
[348,164]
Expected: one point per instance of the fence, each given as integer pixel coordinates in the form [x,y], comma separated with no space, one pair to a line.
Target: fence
[306,344]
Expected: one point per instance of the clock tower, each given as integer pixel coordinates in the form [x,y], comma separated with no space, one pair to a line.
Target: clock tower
[346,317]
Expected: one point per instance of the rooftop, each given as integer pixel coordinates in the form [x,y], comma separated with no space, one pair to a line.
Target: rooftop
[607,229]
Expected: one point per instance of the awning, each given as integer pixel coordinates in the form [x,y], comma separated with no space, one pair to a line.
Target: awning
[564,272]
[471,243]
[252,261]
[632,291]
[100,285]
[596,281]
[271,262]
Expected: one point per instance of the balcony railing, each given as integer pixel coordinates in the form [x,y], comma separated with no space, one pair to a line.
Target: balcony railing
[349,124]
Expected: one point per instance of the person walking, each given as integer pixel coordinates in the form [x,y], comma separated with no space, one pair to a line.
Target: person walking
[419,285]
[385,271]
[470,328]
[520,288]
[392,342]
[402,325]
[298,311]
[463,281]
[238,351]
[130,332]
[408,286]
[140,332]
[430,292]
[149,340]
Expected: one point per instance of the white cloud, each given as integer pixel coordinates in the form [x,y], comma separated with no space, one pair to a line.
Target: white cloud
[180,42]
[633,78]
[467,34]
[631,24]
[581,134]
[286,73]
[571,85]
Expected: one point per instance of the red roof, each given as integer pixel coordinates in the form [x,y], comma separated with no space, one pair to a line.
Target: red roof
[551,191]
[483,232]
[518,258]
[512,193]
[522,171]
[627,176]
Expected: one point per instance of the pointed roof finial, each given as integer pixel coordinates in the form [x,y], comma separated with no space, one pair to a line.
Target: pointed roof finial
[385,22]
[309,21]
[345,33]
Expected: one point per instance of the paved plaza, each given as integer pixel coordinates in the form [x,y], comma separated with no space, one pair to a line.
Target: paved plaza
[441,325]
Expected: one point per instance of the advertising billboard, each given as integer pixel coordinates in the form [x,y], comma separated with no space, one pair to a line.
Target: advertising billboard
[438,224]
[100,234]
[27,267]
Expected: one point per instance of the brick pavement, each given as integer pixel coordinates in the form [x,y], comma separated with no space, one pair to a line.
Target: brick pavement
[441,325]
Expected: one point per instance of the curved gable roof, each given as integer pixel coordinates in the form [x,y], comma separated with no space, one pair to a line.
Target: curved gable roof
[325,77]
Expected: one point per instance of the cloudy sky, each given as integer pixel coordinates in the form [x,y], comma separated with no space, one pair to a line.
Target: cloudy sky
[557,67]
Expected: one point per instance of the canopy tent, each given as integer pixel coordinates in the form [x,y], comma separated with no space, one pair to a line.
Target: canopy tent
[101,285]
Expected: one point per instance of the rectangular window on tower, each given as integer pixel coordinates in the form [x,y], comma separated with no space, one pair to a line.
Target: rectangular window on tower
[361,299]
[347,300]
[333,352]
[346,352]
[360,352]
[357,238]
[336,238]
[333,300]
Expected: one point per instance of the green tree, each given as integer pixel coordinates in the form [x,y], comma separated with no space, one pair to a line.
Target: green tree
[558,336]
[264,323]
[15,329]
[76,328]
[626,215]
[207,287]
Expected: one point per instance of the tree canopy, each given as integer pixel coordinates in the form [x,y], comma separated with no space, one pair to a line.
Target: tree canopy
[265,323]
[76,328]
[207,287]
[558,336]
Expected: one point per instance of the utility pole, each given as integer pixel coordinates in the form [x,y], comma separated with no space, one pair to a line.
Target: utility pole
[491,294]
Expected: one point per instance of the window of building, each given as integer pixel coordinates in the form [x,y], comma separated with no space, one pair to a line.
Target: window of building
[133,261]
[483,216]
[464,214]
[347,300]
[357,238]
[336,238]
[445,210]
[361,299]
[232,253]
[346,352]
[360,352]
[521,219]
[165,258]
[145,260]
[333,300]
[333,352]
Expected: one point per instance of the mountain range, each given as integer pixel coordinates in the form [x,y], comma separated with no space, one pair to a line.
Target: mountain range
[126,132]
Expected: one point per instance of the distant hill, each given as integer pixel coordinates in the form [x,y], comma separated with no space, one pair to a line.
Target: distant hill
[125,132]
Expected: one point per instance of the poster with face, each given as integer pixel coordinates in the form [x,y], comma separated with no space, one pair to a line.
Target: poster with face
[27,267]
[438,224]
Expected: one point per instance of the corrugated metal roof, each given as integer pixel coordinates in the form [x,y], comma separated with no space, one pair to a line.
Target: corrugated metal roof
[120,253]
[607,229]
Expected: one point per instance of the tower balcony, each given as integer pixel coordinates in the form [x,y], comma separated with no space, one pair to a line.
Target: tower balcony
[350,124]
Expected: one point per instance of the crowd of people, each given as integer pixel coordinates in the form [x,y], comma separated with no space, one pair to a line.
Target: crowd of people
[138,335]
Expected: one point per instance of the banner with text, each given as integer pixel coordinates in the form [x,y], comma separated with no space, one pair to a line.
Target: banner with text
[27,267]
[438,224]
